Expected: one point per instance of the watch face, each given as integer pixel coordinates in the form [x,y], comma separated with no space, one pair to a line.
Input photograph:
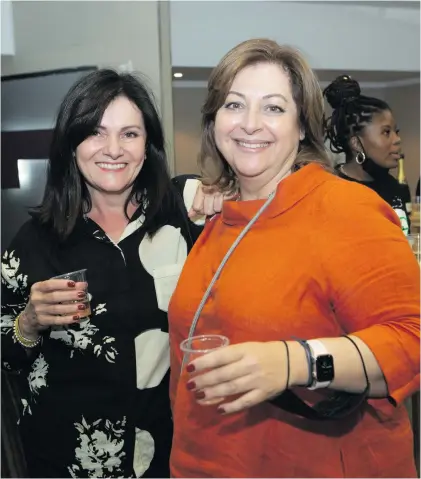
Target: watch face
[324,368]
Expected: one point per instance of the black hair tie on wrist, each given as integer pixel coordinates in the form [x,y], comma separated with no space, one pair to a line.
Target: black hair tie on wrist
[288,364]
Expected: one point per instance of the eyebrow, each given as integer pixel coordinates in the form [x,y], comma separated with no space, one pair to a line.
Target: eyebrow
[271,95]
[124,127]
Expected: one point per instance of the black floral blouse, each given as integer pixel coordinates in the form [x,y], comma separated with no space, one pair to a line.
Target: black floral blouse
[94,396]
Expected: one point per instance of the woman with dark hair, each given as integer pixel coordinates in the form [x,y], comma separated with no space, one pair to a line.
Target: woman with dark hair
[363,128]
[94,391]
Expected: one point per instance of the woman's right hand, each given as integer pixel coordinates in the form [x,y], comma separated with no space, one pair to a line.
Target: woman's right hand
[52,302]
[208,201]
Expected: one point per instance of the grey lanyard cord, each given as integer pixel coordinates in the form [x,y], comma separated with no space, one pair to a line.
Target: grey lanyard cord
[221,266]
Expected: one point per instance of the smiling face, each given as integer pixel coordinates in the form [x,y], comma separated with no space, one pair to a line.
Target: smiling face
[257,128]
[381,140]
[111,158]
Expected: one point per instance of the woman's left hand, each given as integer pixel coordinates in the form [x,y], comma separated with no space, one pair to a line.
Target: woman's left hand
[254,371]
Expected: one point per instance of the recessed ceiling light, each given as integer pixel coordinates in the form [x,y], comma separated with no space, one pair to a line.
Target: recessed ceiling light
[178,75]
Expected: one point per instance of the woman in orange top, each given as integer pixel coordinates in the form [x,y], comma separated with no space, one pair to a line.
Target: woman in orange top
[324,261]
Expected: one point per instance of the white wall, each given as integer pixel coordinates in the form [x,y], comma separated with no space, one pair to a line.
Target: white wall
[332,35]
[63,34]
[187,104]
[7,34]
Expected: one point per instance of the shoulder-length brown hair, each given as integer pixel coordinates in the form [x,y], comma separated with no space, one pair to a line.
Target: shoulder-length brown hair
[306,93]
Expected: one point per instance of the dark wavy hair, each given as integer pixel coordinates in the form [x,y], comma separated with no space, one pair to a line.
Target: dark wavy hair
[66,196]
[352,112]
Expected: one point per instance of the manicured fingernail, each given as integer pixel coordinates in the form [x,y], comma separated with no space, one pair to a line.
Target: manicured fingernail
[75,318]
[190,368]
[81,307]
[71,284]
[81,294]
[221,410]
[191,385]
[200,395]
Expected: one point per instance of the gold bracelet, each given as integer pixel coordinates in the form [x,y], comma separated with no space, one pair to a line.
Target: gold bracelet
[18,337]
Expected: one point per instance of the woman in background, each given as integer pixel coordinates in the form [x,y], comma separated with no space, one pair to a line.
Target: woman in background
[364,129]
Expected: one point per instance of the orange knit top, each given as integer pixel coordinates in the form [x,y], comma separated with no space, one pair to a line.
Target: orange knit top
[327,257]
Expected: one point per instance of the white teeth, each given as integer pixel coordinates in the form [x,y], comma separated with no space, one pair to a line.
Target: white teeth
[253,146]
[112,166]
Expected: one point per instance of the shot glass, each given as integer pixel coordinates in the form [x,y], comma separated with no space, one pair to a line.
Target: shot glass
[198,346]
[78,277]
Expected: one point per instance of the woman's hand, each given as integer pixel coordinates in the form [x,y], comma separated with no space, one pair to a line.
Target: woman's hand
[207,201]
[52,302]
[255,372]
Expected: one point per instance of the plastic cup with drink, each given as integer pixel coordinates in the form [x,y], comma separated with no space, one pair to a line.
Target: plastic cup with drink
[198,346]
[78,277]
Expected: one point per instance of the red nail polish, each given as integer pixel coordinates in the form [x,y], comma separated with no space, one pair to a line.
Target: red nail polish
[191,385]
[71,284]
[190,368]
[221,410]
[76,318]
[200,395]
[81,294]
[81,306]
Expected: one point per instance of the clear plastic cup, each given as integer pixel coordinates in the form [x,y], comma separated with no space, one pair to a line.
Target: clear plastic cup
[78,277]
[198,346]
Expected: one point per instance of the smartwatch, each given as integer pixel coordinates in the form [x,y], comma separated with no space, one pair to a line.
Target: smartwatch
[323,371]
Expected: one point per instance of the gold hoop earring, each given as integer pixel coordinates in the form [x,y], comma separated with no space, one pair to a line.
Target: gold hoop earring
[360,158]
